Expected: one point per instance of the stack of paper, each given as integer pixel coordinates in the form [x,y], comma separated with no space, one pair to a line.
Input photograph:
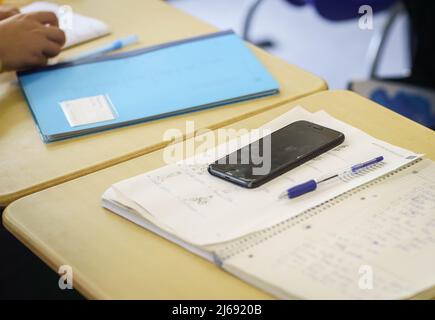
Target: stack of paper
[184,200]
[77,28]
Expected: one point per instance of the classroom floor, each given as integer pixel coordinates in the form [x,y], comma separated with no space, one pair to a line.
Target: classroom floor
[333,51]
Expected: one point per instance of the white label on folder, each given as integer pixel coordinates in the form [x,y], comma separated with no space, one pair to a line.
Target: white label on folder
[88,110]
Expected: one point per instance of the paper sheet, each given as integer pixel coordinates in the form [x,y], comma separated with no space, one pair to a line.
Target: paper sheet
[383,250]
[77,28]
[202,209]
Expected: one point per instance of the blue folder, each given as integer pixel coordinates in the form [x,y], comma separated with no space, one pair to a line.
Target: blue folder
[148,84]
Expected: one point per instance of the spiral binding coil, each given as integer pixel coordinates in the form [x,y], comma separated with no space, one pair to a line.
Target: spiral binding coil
[349,176]
[245,243]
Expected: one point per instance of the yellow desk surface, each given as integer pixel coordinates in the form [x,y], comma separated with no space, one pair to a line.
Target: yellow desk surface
[28,165]
[113,258]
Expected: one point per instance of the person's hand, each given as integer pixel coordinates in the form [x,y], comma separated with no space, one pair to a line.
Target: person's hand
[28,40]
[7,11]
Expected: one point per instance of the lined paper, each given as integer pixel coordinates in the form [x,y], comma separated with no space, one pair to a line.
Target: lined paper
[387,229]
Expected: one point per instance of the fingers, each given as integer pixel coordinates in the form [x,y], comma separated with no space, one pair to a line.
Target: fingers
[55,39]
[13,11]
[45,17]
[34,61]
[8,14]
[51,49]
[55,34]
[39,60]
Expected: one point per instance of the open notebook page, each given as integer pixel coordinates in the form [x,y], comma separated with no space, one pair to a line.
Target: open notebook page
[77,28]
[383,250]
[186,200]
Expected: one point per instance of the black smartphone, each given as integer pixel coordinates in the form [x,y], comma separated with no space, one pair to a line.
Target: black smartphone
[275,154]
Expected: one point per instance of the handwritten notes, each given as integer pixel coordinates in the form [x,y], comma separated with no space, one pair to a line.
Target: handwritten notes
[383,250]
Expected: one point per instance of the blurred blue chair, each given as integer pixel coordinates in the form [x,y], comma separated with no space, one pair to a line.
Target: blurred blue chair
[338,10]
[413,96]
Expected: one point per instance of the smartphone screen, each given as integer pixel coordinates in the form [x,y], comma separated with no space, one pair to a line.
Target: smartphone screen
[271,156]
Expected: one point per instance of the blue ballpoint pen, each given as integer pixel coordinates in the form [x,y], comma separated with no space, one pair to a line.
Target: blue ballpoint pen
[311,185]
[115,45]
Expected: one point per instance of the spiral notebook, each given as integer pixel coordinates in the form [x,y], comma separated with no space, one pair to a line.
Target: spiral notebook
[318,246]
[383,250]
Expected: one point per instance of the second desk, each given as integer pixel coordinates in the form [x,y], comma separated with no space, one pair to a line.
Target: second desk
[114,258]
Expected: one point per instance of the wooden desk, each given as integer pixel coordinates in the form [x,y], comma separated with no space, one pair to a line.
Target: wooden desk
[28,165]
[113,258]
